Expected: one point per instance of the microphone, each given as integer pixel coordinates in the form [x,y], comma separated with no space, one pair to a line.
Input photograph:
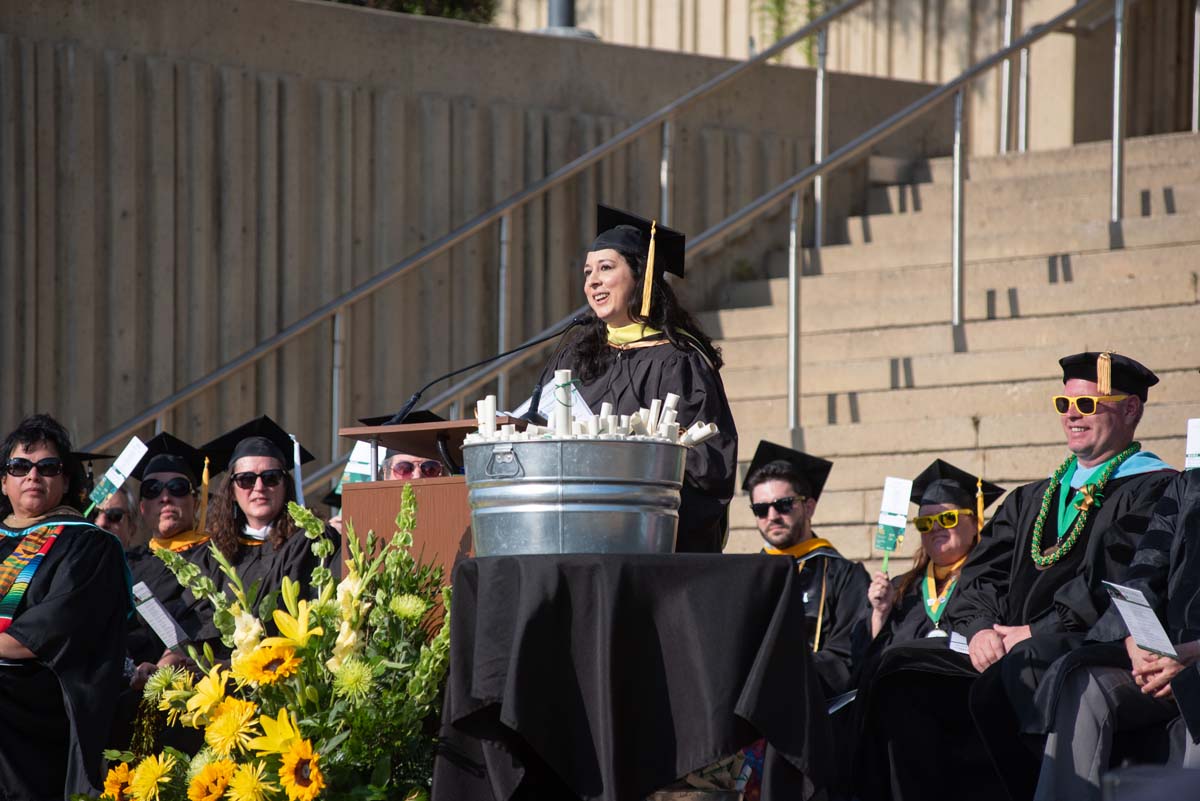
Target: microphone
[399,416]
[535,398]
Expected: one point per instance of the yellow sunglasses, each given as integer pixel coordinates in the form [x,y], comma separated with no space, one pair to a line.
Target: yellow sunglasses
[946,519]
[1086,404]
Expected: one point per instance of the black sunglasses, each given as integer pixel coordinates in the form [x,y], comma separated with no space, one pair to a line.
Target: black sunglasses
[49,467]
[781,505]
[178,487]
[111,515]
[270,478]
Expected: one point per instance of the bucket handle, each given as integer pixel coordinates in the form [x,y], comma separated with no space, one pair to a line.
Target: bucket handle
[504,462]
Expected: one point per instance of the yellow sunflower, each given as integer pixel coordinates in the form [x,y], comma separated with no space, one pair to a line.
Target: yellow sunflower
[300,775]
[212,781]
[268,664]
[278,734]
[149,774]
[248,784]
[116,783]
[232,726]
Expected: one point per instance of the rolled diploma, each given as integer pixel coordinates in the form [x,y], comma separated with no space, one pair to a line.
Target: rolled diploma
[655,414]
[671,402]
[593,426]
[488,423]
[562,403]
[606,409]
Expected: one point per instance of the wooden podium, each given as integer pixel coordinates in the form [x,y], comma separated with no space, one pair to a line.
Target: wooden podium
[443,531]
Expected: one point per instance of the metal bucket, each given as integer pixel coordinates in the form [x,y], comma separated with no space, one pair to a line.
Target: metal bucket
[574,496]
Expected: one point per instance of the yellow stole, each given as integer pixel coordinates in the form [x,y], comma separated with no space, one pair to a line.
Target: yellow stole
[801,549]
[180,542]
[629,334]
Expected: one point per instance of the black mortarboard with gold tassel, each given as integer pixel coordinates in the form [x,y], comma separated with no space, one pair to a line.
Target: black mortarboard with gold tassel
[1109,371]
[661,247]
[942,482]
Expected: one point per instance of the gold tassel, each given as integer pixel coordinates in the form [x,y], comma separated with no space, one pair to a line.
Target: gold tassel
[203,498]
[648,284]
[979,504]
[1104,373]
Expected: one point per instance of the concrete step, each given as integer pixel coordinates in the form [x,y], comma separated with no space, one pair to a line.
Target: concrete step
[1079,238]
[1141,150]
[906,405]
[983,217]
[1100,328]
[1179,351]
[1119,289]
[958,430]
[919,283]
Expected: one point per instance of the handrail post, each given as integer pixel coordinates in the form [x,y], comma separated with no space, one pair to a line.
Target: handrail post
[819,136]
[1117,210]
[1196,67]
[336,379]
[664,174]
[1023,102]
[794,272]
[502,313]
[956,233]
[1006,78]
[160,424]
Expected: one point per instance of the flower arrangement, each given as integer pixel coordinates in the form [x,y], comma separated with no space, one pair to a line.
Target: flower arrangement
[335,706]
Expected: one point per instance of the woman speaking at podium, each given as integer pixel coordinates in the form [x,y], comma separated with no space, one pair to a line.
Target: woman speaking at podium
[638,344]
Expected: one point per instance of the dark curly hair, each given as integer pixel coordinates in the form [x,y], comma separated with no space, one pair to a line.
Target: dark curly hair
[666,314]
[226,519]
[38,429]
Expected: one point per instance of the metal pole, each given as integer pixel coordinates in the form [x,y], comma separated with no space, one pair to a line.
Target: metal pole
[335,380]
[664,174]
[1196,68]
[1118,114]
[1023,103]
[562,14]
[160,424]
[956,233]
[503,312]
[794,256]
[1006,77]
[819,141]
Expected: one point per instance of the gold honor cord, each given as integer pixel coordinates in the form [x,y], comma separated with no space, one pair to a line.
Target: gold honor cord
[648,284]
[821,607]
[204,498]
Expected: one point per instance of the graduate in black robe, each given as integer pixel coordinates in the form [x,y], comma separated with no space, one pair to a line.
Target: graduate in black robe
[64,597]
[636,348]
[251,525]
[910,608]
[784,486]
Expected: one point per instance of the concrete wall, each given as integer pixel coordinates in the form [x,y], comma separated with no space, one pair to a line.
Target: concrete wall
[934,40]
[181,180]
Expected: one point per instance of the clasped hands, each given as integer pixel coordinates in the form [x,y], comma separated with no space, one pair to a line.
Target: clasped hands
[989,646]
[1153,673]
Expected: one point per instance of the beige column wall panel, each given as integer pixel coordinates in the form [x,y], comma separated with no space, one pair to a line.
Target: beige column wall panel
[176,192]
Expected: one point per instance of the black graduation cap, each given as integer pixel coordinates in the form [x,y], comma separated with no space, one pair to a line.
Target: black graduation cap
[942,482]
[807,473]
[620,229]
[262,436]
[333,498]
[415,416]
[1109,371]
[168,454]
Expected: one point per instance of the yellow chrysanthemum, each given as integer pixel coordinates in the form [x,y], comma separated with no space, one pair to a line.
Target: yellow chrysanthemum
[232,726]
[278,734]
[248,783]
[149,774]
[212,781]
[210,692]
[268,664]
[300,774]
[408,607]
[352,679]
[116,783]
[295,630]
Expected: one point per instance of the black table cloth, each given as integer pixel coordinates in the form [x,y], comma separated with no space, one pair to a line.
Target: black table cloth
[610,676]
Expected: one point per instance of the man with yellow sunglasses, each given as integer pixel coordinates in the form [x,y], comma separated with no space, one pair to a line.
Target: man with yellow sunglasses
[1032,589]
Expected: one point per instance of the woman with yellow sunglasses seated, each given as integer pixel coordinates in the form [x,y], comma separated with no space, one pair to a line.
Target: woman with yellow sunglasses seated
[949,520]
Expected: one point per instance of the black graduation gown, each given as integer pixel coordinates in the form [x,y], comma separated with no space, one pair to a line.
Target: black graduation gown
[846,586]
[906,623]
[1060,603]
[143,644]
[56,710]
[638,376]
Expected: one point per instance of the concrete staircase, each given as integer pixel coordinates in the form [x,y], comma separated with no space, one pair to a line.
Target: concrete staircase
[887,385]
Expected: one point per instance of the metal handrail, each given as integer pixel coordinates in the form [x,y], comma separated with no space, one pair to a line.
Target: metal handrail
[439,246]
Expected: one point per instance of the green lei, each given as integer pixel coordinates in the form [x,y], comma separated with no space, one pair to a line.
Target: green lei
[1089,498]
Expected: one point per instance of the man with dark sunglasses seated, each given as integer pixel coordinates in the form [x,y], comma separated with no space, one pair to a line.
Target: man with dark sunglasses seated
[784,486]
[117,516]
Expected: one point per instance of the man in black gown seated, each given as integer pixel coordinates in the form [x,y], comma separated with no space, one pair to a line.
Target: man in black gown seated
[784,487]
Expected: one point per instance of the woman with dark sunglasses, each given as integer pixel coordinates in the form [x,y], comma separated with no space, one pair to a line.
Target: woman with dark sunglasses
[63,601]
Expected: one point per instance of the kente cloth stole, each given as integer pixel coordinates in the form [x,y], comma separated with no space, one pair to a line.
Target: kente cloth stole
[17,570]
